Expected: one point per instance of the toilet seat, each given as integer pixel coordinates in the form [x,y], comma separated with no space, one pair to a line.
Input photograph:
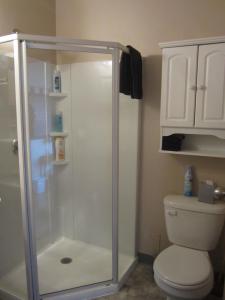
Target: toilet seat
[182,267]
[183,272]
[186,292]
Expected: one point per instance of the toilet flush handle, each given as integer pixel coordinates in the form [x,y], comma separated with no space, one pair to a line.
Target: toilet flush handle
[172,212]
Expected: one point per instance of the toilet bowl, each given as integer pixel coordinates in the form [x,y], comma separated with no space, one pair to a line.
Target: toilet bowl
[183,273]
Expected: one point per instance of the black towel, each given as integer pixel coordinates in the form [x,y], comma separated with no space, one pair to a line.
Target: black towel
[131,73]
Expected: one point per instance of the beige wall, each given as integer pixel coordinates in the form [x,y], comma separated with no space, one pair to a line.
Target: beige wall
[143,24]
[29,16]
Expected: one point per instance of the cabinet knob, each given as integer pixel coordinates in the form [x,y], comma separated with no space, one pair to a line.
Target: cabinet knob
[202,87]
[193,87]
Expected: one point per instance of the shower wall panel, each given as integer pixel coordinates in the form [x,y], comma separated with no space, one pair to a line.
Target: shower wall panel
[10,206]
[12,248]
[8,160]
[41,111]
[64,179]
[92,151]
[128,172]
[86,182]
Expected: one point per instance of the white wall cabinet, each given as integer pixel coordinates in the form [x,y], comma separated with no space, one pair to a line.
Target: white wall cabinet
[193,93]
[178,86]
[193,86]
[210,97]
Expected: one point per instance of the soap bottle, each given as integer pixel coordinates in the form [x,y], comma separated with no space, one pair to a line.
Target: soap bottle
[188,182]
[57,81]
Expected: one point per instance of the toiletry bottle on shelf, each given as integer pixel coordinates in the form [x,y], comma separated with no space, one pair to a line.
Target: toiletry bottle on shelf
[58,122]
[57,82]
[188,182]
[59,148]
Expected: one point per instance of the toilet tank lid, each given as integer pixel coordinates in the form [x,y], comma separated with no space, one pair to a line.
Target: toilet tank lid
[192,204]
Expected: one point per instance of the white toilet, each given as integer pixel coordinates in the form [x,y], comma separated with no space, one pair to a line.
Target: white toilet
[184,270]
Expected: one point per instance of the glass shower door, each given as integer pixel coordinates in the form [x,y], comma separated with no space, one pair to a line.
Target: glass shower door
[71,193]
[13,282]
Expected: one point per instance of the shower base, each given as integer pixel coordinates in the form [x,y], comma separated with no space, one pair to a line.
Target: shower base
[89,264]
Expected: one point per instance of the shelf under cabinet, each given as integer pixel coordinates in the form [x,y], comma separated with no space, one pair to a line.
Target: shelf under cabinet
[195,153]
[196,142]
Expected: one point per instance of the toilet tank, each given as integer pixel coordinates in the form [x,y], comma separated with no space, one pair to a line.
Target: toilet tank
[193,224]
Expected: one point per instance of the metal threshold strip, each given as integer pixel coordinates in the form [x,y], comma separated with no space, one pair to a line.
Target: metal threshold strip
[106,283]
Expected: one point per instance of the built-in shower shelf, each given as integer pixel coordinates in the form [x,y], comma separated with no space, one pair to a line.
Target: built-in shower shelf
[60,162]
[58,134]
[57,95]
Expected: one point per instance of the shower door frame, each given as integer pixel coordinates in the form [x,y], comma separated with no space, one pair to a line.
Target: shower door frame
[22,42]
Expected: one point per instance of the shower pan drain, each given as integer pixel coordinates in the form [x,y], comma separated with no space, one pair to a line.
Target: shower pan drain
[66,260]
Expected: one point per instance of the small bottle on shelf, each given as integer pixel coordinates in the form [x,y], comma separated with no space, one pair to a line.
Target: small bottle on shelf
[59,148]
[58,122]
[57,81]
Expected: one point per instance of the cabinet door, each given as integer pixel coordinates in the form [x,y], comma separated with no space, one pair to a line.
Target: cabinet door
[178,86]
[210,99]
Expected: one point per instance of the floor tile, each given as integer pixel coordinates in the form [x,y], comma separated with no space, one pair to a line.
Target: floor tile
[139,286]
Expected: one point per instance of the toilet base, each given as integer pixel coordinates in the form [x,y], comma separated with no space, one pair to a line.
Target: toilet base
[176,298]
[171,298]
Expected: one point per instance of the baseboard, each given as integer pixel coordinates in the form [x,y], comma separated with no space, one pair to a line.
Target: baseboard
[145,258]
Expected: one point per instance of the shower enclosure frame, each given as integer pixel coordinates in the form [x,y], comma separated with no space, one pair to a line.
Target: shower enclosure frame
[21,42]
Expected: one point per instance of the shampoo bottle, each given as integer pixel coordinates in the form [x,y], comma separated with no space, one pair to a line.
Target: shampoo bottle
[59,148]
[188,182]
[57,82]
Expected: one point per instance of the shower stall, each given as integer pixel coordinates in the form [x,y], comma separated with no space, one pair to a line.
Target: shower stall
[67,226]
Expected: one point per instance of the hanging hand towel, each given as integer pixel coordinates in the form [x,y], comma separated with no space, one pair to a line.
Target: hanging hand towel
[131,73]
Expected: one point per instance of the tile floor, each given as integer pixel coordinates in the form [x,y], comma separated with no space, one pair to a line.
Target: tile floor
[139,286]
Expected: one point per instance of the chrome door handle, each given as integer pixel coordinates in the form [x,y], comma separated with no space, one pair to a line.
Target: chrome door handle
[15,146]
